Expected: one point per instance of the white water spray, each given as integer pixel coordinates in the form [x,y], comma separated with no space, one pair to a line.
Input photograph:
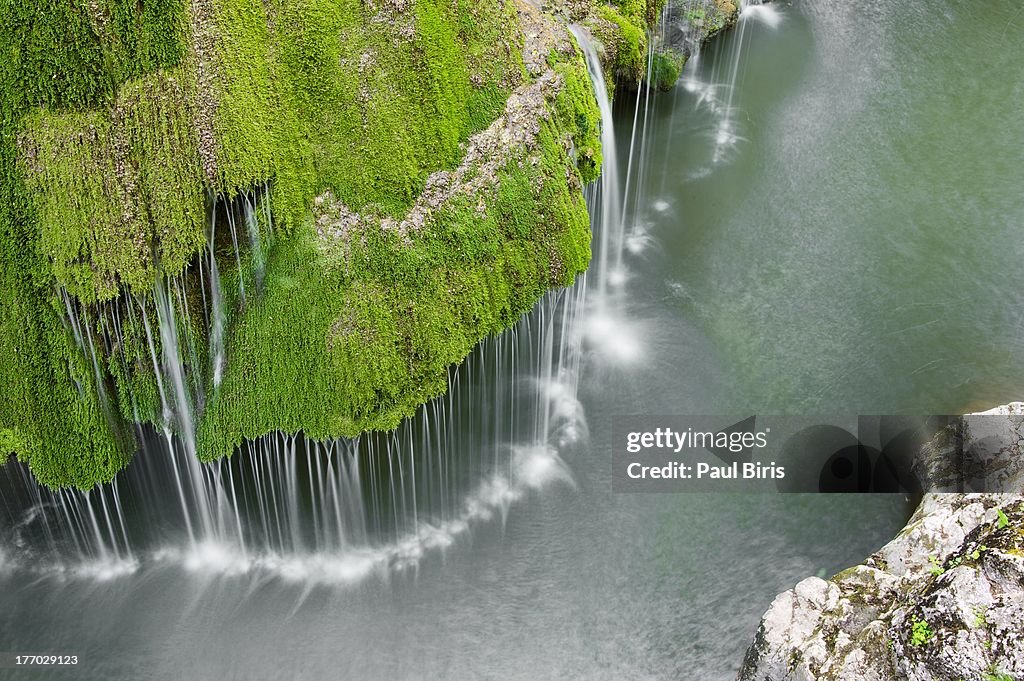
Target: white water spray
[607,328]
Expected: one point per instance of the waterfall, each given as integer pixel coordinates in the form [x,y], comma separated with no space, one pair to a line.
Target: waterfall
[606,324]
[607,215]
[338,511]
[252,228]
[217,314]
[238,255]
[302,510]
[717,93]
[79,323]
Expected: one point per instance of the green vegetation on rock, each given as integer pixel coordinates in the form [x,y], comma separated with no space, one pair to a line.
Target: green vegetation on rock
[666,68]
[624,36]
[121,122]
[359,340]
[57,59]
[920,632]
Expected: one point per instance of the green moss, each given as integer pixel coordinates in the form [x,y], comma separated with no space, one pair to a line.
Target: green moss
[665,69]
[116,191]
[624,27]
[119,120]
[354,335]
[61,57]
[624,35]
[312,95]
[335,95]
[11,441]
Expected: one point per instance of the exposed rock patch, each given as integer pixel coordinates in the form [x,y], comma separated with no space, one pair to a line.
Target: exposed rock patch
[203,57]
[509,136]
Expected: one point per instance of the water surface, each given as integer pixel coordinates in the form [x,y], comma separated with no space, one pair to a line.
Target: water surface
[833,227]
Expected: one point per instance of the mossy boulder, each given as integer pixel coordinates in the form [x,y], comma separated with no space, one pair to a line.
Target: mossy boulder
[127,132]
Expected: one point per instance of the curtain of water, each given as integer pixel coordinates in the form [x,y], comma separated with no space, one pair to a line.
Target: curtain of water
[716,90]
[334,511]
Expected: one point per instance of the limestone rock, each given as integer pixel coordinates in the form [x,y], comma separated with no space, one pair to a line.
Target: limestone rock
[943,601]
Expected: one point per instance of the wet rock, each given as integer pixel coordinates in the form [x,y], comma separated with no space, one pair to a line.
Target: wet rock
[685,25]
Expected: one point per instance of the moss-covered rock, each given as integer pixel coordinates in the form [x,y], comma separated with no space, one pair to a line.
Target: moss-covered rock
[411,171]
[666,68]
[648,41]
[363,312]
[126,137]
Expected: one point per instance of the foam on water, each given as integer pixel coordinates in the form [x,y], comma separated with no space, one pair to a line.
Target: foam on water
[725,140]
[533,469]
[766,14]
[104,570]
[614,338]
[536,467]
[618,277]
[98,570]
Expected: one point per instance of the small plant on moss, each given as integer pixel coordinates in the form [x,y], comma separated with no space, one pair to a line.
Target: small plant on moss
[920,632]
[1003,520]
[979,616]
[936,568]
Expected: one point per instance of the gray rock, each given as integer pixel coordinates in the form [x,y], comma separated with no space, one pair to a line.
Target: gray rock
[943,601]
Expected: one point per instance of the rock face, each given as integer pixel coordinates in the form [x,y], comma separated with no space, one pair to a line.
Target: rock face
[647,41]
[944,600]
[685,24]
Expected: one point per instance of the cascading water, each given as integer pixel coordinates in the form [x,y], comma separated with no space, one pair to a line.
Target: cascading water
[717,92]
[606,326]
[327,511]
[338,511]
[606,209]
[217,315]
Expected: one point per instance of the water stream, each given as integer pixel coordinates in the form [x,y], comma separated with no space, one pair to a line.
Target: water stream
[820,217]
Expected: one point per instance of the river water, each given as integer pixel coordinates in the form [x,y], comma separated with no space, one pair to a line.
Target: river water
[828,227]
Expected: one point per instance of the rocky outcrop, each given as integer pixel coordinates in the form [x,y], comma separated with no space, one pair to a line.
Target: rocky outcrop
[647,41]
[944,600]
[182,193]
[686,25]
[512,134]
[683,27]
